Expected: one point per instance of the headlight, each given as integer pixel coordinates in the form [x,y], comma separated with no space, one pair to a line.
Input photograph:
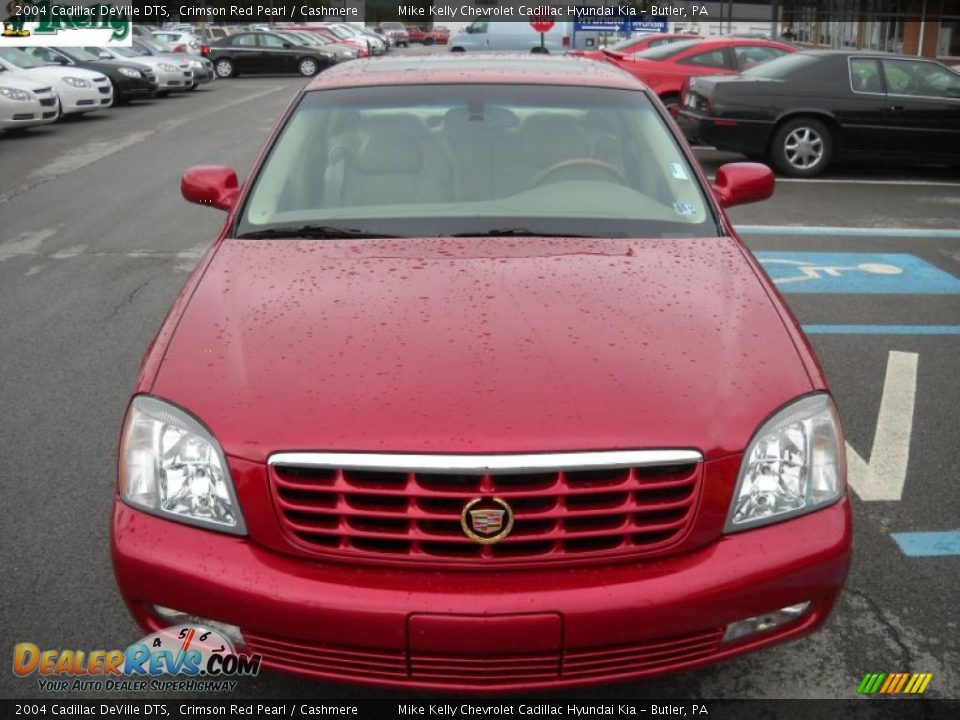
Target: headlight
[168,68]
[794,465]
[129,72]
[14,93]
[171,466]
[76,82]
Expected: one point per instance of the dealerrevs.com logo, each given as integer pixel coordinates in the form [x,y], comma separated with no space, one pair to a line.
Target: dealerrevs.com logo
[198,658]
[52,23]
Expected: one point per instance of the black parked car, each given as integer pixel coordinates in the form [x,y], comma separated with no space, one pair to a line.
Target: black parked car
[801,111]
[266,52]
[130,80]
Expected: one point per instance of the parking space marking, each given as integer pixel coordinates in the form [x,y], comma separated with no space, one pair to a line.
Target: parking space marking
[928,544]
[857,232]
[856,273]
[814,329]
[884,476]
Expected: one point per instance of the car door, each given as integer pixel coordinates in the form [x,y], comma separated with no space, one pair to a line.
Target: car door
[245,52]
[852,89]
[923,108]
[278,54]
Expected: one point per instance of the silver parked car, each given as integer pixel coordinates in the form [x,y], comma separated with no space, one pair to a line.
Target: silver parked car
[173,74]
[201,67]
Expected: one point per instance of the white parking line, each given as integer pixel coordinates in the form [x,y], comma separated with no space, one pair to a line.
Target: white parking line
[884,476]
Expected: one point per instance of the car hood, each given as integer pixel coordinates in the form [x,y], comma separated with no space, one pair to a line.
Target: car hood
[480,345]
[20,80]
[58,72]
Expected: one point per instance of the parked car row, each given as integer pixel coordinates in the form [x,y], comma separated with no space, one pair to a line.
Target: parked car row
[306,49]
[39,85]
[797,109]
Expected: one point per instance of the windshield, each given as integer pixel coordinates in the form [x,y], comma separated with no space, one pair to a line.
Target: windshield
[436,160]
[18,57]
[662,52]
[126,52]
[80,54]
[150,45]
[782,67]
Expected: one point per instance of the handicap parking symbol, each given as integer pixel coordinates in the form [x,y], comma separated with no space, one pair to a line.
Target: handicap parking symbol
[856,273]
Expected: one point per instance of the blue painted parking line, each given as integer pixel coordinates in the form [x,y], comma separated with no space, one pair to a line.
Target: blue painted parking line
[857,232]
[856,273]
[882,329]
[928,544]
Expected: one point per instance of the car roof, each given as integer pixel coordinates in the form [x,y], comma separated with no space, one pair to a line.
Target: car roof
[865,53]
[459,69]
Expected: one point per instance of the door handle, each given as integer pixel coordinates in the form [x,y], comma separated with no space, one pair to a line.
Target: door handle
[898,108]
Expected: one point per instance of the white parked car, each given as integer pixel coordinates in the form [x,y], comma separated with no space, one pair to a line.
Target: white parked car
[25,102]
[79,90]
[179,41]
[173,75]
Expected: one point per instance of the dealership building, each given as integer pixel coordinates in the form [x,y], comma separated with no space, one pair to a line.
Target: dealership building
[913,27]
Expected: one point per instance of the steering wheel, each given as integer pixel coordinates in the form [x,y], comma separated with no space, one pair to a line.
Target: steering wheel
[581,162]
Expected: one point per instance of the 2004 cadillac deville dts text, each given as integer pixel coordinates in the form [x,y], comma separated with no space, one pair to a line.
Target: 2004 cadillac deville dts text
[478,390]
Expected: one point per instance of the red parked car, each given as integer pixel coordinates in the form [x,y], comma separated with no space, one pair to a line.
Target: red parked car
[635,44]
[523,415]
[428,36]
[665,68]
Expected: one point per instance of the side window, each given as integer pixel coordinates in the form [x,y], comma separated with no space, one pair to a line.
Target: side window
[750,55]
[865,75]
[272,41]
[714,59]
[920,78]
[248,40]
[47,55]
[479,27]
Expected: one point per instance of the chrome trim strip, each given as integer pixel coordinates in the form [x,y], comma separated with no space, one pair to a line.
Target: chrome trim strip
[486,464]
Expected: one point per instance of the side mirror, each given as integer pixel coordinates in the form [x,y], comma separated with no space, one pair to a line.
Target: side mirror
[287,46]
[743,182]
[213,185]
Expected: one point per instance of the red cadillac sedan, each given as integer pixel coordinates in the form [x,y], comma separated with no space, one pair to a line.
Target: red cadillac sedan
[477,389]
[665,68]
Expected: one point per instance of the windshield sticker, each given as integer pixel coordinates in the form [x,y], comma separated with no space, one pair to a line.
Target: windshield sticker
[684,209]
[676,169]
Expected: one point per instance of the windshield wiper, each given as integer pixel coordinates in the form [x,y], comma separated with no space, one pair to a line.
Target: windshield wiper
[517,232]
[311,231]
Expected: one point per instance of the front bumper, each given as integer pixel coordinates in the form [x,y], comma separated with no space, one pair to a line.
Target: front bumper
[502,630]
[28,113]
[82,100]
[134,88]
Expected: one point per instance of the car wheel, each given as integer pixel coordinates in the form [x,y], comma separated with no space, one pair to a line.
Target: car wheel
[225,68]
[456,49]
[308,67]
[802,147]
[163,93]
[428,41]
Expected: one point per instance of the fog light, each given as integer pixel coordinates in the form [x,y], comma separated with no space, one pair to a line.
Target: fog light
[175,617]
[762,623]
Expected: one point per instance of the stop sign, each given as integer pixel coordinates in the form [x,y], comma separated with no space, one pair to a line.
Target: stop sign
[540,19]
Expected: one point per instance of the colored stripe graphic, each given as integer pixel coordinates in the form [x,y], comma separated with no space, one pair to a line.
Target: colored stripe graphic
[894,683]
[928,544]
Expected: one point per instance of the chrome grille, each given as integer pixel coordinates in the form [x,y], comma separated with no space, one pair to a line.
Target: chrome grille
[408,507]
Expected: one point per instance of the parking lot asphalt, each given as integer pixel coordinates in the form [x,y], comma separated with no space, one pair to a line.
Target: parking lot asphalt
[96,242]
